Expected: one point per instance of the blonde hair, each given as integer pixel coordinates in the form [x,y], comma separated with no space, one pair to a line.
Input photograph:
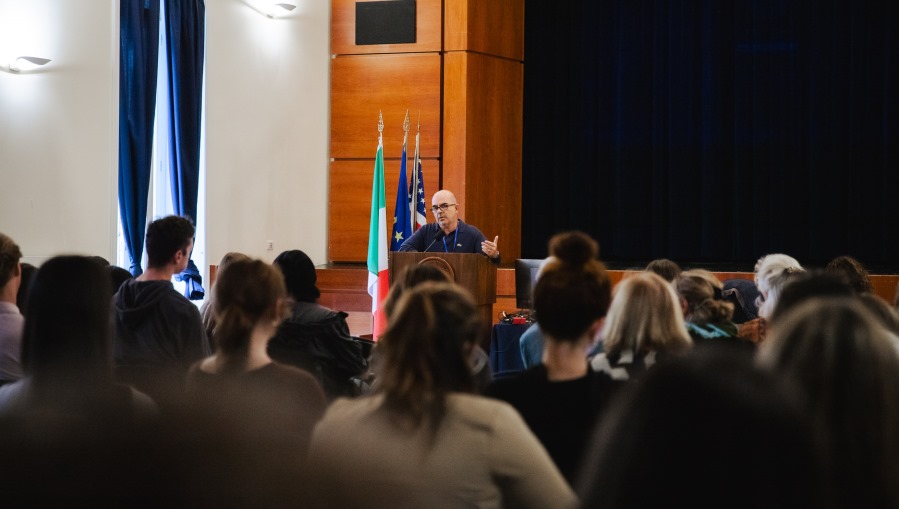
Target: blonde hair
[645,316]
[702,291]
[771,275]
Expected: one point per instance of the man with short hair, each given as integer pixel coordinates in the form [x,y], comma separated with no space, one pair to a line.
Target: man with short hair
[11,319]
[449,234]
[158,332]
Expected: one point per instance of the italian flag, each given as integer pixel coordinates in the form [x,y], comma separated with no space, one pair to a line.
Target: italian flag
[377,246]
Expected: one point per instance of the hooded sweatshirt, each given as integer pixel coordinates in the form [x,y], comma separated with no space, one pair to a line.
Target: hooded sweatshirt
[158,336]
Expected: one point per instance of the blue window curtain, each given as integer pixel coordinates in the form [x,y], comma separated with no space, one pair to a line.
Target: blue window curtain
[139,51]
[185,26]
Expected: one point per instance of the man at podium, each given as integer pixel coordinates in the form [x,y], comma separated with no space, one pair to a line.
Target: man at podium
[450,234]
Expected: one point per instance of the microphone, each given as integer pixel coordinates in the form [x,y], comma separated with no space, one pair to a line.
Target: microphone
[439,236]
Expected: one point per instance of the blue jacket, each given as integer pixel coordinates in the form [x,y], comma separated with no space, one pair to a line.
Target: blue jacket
[465,239]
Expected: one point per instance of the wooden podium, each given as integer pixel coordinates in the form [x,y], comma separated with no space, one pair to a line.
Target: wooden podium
[474,272]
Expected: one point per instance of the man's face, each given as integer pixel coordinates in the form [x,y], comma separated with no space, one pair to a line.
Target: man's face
[183,256]
[446,216]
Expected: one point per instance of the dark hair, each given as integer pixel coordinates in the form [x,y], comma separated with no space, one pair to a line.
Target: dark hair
[10,254]
[167,236]
[67,329]
[299,275]
[708,428]
[247,292]
[117,277]
[665,268]
[705,298]
[852,271]
[573,291]
[411,277]
[844,361]
[424,352]
[807,285]
[28,273]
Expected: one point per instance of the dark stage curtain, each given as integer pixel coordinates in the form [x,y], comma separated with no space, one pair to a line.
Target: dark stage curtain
[713,132]
[138,60]
[185,25]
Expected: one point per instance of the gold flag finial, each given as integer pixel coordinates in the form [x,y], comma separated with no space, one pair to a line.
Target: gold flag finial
[380,122]
[419,120]
[406,122]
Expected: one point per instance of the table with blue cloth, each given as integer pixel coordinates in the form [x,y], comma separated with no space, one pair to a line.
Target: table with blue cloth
[505,356]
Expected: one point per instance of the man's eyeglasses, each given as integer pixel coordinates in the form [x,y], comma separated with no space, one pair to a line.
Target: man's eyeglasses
[442,206]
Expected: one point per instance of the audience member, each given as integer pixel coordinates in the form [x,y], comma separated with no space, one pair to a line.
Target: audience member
[841,358]
[665,268]
[561,398]
[644,322]
[66,352]
[11,319]
[852,271]
[206,313]
[708,430]
[743,294]
[117,277]
[313,337]
[158,332]
[424,440]
[28,273]
[241,378]
[414,275]
[771,274]
[706,312]
[805,286]
[530,344]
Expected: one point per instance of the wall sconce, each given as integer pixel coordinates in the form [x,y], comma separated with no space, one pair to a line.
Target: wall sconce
[25,64]
[279,9]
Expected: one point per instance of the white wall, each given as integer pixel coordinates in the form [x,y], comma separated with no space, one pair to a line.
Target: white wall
[58,141]
[266,126]
[267,129]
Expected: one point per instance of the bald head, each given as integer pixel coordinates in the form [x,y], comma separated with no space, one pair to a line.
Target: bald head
[446,210]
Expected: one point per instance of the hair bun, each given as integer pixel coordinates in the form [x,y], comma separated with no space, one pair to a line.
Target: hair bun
[574,248]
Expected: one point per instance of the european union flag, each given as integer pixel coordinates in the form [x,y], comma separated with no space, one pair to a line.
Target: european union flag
[402,228]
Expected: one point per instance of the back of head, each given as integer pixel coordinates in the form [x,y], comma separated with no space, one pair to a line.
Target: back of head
[117,277]
[425,350]
[703,293]
[803,286]
[852,271]
[67,329]
[299,275]
[645,316]
[413,276]
[845,364]
[248,292]
[10,254]
[665,268]
[708,428]
[28,273]
[167,236]
[771,274]
[573,289]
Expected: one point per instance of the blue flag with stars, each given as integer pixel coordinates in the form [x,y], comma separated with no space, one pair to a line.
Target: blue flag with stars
[402,226]
[417,210]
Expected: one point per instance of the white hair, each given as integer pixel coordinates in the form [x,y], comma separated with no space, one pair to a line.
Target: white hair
[771,274]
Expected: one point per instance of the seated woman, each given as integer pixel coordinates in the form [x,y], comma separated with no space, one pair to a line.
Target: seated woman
[206,312]
[772,272]
[644,322]
[67,352]
[415,275]
[560,398]
[842,360]
[313,337]
[240,378]
[424,440]
[707,313]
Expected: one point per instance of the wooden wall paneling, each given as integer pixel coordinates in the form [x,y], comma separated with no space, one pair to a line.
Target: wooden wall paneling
[364,84]
[482,143]
[428,29]
[349,204]
[494,27]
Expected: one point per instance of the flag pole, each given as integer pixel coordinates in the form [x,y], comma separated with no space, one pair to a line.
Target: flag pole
[416,161]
